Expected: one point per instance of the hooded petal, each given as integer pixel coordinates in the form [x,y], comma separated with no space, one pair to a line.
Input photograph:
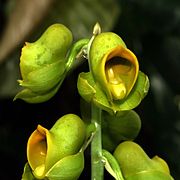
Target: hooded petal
[37,150]
[119,70]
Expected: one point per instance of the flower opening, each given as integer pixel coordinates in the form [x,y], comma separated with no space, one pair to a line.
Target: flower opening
[120,67]
[37,150]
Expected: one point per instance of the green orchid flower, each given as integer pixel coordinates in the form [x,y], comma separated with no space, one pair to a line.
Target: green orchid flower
[56,153]
[114,82]
[43,64]
[113,66]
[136,165]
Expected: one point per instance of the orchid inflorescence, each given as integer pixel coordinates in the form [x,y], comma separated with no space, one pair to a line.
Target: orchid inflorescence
[114,85]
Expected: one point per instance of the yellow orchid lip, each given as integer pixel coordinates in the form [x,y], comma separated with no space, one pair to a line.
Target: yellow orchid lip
[120,68]
[37,150]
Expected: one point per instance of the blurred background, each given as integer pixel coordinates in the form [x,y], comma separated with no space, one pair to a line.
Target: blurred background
[151,29]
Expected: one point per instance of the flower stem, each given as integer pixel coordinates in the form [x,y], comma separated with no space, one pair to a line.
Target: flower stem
[97,167]
[75,50]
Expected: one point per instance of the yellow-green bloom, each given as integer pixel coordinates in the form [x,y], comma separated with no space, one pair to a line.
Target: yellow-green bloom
[136,165]
[42,64]
[56,153]
[115,68]
[114,82]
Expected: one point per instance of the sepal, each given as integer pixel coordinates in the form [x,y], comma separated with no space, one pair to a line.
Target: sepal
[33,97]
[91,92]
[111,165]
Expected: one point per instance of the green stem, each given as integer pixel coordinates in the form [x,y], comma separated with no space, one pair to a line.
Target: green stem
[75,50]
[97,167]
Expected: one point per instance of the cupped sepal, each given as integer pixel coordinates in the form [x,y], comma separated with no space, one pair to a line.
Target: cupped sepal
[90,91]
[135,163]
[47,147]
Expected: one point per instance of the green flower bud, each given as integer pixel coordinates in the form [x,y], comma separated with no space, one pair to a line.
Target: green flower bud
[57,150]
[114,67]
[122,127]
[136,165]
[42,64]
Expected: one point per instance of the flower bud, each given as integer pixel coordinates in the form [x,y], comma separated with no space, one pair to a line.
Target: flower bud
[136,165]
[51,153]
[114,67]
[42,64]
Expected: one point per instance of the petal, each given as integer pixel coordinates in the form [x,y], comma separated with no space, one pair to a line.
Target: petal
[37,150]
[120,70]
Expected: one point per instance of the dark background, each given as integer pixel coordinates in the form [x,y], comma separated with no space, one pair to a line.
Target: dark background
[152,30]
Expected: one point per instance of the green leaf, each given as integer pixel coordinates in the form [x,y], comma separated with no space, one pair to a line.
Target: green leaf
[27,174]
[124,126]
